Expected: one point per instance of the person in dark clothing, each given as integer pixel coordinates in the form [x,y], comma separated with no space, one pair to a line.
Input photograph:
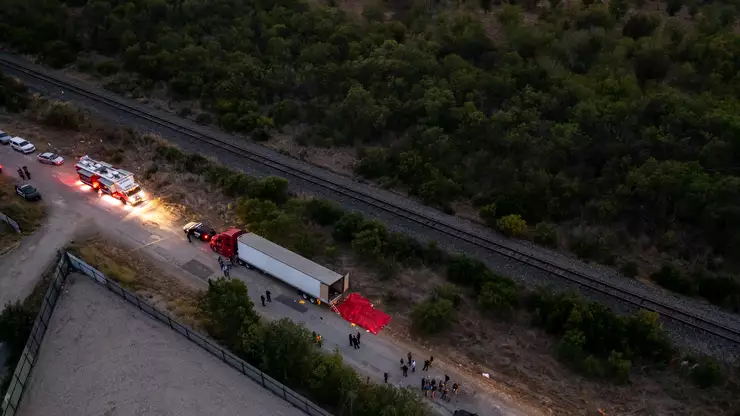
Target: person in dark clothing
[20,173]
[188,236]
[357,343]
[262,298]
[358,337]
[431,360]
[385,377]
[423,383]
[409,357]
[269,296]
[401,362]
[351,340]
[220,262]
[447,378]
[405,369]
[28,174]
[426,365]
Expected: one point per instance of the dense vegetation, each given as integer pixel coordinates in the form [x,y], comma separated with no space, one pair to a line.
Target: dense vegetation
[288,352]
[16,322]
[593,340]
[613,121]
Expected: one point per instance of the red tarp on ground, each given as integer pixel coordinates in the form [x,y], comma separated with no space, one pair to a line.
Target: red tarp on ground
[361,312]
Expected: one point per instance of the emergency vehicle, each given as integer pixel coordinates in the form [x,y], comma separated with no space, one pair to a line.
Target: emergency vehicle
[103,177]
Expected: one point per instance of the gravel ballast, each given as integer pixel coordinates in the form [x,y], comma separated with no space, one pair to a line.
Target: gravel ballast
[103,356]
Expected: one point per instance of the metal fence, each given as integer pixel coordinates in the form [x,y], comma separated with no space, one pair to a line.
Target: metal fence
[30,352]
[11,222]
[204,342]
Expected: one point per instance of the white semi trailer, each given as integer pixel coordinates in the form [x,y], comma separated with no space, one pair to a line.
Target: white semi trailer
[314,281]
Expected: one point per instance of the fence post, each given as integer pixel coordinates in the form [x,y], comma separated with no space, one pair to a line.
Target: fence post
[244,370]
[138,303]
[223,354]
[285,396]
[170,321]
[263,378]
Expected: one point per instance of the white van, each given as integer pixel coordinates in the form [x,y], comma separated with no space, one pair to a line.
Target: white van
[22,145]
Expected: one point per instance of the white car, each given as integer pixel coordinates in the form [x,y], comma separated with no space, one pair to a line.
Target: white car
[50,158]
[22,145]
[4,137]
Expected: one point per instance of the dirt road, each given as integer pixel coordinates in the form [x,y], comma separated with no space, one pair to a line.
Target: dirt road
[155,234]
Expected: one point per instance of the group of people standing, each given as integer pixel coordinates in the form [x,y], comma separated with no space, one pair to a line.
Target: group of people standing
[225,267]
[354,341]
[430,387]
[24,173]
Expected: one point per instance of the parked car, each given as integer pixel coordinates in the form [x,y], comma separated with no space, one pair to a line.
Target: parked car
[50,158]
[4,137]
[199,230]
[28,192]
[22,145]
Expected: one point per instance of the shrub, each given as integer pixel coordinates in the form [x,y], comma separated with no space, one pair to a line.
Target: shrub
[195,163]
[629,269]
[670,277]
[270,187]
[433,315]
[498,295]
[387,268]
[570,347]
[16,322]
[403,247]
[369,243]
[373,163]
[13,95]
[618,367]
[62,115]
[323,212]
[546,234]
[488,214]
[591,245]
[466,271]
[707,373]
[722,290]
[107,67]
[512,225]
[169,153]
[204,119]
[449,292]
[347,226]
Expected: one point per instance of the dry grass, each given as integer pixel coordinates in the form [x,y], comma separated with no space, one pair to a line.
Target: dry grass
[143,277]
[29,215]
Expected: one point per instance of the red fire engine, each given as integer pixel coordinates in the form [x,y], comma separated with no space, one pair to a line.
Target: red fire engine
[103,177]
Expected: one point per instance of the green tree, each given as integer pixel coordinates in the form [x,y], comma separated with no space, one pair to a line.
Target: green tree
[228,306]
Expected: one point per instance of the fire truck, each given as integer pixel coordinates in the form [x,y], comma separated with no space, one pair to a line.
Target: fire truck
[103,177]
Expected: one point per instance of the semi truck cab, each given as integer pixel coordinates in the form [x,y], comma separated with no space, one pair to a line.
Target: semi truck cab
[225,243]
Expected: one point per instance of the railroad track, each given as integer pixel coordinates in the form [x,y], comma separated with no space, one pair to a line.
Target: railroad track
[581,279]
